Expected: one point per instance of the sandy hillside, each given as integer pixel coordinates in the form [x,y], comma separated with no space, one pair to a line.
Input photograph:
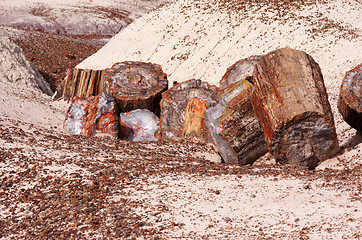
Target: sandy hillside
[57,186]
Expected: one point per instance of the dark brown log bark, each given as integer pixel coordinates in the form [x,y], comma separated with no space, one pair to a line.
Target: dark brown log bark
[350,98]
[174,103]
[241,70]
[291,103]
[234,128]
[136,85]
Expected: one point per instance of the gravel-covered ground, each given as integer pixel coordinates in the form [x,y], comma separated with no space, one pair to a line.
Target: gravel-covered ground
[58,186]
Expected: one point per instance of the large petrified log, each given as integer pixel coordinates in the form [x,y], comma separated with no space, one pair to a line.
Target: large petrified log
[139,125]
[174,104]
[93,115]
[290,101]
[136,85]
[350,98]
[241,70]
[233,126]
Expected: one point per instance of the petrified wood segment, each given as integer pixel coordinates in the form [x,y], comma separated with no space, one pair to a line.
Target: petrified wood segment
[350,98]
[136,85]
[194,116]
[139,125]
[241,70]
[174,103]
[80,83]
[93,115]
[290,101]
[233,126]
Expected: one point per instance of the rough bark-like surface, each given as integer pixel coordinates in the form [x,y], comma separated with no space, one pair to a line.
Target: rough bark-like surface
[92,116]
[234,128]
[291,103]
[350,98]
[174,103]
[139,125]
[241,70]
[136,85]
[81,83]
[194,116]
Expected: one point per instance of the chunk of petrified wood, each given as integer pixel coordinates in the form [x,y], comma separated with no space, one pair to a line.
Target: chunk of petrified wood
[174,103]
[241,70]
[350,98]
[136,85]
[194,116]
[291,103]
[81,83]
[233,126]
[96,115]
[139,125]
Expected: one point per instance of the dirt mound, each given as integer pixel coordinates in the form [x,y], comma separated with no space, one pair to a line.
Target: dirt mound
[16,68]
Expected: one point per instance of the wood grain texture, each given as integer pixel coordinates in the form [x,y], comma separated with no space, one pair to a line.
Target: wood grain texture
[233,126]
[194,117]
[291,103]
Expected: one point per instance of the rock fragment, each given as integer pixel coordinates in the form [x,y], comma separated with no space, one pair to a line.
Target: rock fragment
[350,98]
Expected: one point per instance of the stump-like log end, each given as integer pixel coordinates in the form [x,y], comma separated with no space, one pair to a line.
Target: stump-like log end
[136,85]
[350,98]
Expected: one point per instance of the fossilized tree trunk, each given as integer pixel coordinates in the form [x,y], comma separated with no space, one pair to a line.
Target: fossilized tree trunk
[350,98]
[136,85]
[290,101]
[194,94]
[233,126]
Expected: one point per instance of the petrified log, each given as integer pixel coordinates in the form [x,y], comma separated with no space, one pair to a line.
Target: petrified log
[241,70]
[350,98]
[233,126]
[136,85]
[139,125]
[291,103]
[174,103]
[95,115]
